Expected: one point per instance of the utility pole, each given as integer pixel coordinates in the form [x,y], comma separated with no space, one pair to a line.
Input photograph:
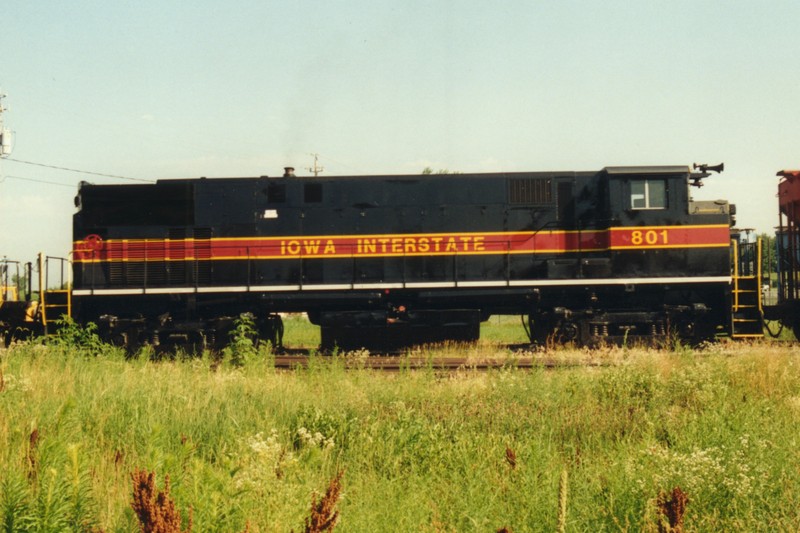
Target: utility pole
[5,133]
[316,169]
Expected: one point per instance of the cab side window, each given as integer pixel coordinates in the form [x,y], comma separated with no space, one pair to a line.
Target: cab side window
[648,194]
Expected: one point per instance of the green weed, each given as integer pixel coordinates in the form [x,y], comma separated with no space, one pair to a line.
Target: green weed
[242,346]
[424,450]
[71,335]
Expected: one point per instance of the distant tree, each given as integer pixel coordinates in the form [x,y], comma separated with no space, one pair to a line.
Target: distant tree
[21,282]
[427,171]
[769,256]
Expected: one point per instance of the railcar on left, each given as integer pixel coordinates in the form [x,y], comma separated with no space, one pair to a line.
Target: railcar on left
[25,312]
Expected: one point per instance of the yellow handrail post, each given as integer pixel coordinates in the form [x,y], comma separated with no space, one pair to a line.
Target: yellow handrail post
[758,276]
[735,275]
[42,306]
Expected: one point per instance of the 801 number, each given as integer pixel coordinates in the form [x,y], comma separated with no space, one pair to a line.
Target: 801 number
[649,237]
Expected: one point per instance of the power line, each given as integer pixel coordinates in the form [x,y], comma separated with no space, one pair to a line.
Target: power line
[79,171]
[338,162]
[3,177]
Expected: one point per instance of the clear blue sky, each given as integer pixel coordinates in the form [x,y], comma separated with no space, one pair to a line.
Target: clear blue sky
[166,89]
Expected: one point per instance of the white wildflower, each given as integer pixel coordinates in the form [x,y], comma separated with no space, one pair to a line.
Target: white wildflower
[315,440]
[264,460]
[11,382]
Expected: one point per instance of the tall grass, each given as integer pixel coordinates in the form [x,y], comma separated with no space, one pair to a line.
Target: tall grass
[248,447]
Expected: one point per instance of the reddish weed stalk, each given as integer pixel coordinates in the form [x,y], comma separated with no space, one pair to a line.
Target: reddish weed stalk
[155,509]
[323,517]
[33,444]
[511,458]
[673,508]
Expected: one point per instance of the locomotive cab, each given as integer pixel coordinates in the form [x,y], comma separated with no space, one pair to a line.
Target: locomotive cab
[647,196]
[663,262]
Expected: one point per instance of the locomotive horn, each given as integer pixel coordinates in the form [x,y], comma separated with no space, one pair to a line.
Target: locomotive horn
[705,167]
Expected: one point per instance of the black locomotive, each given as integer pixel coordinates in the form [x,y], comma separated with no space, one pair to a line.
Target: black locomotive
[388,261]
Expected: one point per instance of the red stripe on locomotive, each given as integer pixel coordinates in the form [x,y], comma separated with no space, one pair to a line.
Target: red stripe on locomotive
[403,245]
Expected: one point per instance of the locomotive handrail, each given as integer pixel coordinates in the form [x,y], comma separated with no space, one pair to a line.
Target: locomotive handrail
[455,269]
[249,268]
[62,261]
[252,256]
[4,275]
[747,312]
[513,252]
[64,288]
[735,274]
[550,223]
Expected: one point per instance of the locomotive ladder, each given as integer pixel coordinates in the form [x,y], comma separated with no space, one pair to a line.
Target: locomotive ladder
[54,303]
[747,316]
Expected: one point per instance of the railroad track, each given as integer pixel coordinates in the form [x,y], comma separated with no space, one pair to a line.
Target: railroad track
[398,363]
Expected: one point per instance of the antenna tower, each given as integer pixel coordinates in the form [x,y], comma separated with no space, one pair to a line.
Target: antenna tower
[316,169]
[5,133]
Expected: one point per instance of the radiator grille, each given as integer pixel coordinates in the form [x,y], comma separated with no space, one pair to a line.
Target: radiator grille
[530,191]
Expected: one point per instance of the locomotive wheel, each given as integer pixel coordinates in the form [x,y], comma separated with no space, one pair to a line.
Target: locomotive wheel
[567,331]
[686,330]
[119,339]
[694,332]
